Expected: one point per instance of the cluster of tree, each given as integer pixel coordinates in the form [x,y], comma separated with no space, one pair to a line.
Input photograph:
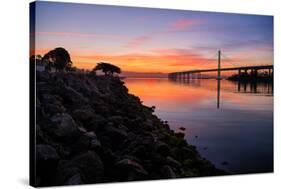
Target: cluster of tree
[60,59]
[107,69]
[57,58]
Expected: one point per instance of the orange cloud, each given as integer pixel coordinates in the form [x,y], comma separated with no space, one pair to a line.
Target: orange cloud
[164,61]
[182,24]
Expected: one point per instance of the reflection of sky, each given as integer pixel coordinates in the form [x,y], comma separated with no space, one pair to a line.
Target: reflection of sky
[240,132]
[136,37]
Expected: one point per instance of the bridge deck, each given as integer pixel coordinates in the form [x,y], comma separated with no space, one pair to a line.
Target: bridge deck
[226,69]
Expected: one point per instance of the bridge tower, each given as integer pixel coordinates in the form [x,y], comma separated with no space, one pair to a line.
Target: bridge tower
[219,64]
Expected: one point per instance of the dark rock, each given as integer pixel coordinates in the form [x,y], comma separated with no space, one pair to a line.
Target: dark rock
[83,114]
[180,135]
[116,134]
[64,127]
[46,164]
[163,148]
[88,141]
[70,95]
[90,166]
[116,120]
[66,171]
[130,170]
[172,162]
[97,123]
[46,153]
[182,128]
[140,151]
[89,130]
[74,180]
[168,172]
[54,109]
[224,163]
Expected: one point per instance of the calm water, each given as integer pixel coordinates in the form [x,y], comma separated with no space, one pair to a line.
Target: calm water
[237,136]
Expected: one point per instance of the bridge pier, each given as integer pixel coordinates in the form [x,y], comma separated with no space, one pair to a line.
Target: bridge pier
[242,73]
[239,74]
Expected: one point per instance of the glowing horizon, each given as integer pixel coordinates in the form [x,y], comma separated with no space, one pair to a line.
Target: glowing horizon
[151,40]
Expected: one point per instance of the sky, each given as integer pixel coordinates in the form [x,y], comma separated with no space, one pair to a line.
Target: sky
[149,40]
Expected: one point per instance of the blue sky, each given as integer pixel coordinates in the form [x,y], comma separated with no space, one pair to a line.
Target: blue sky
[136,37]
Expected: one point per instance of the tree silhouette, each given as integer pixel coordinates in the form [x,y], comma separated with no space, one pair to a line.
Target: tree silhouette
[36,59]
[58,58]
[107,69]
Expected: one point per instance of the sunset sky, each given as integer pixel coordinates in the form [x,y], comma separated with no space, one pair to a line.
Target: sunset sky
[152,40]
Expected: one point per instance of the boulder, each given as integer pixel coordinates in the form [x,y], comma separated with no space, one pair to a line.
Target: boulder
[172,162]
[88,141]
[84,114]
[168,172]
[130,170]
[90,166]
[96,123]
[116,134]
[74,180]
[64,127]
[70,95]
[162,148]
[46,153]
[46,164]
[116,120]
[66,171]
[54,109]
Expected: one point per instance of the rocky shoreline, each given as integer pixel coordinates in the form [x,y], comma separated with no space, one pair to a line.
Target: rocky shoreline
[89,129]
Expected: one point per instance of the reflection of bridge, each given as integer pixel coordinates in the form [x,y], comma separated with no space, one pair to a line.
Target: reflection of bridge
[196,74]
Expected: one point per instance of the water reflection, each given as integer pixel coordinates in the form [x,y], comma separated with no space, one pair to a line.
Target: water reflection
[237,137]
[265,88]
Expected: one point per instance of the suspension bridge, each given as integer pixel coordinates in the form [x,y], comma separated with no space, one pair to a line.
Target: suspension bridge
[197,74]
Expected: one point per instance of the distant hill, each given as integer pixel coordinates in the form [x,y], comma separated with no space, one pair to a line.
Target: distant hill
[144,75]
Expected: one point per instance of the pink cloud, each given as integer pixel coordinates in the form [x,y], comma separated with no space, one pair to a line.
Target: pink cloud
[138,41]
[182,24]
[75,34]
